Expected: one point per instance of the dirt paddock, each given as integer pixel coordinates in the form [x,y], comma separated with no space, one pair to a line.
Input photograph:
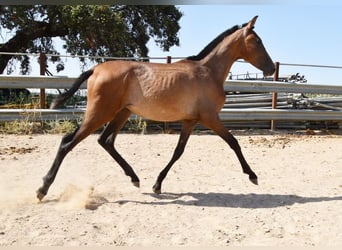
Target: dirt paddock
[206,200]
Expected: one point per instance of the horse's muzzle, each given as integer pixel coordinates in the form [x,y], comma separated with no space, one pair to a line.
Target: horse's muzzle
[269,71]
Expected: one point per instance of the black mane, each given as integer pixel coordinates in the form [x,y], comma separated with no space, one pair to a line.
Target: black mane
[204,52]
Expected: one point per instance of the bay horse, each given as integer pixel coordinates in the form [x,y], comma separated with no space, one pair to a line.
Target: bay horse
[189,90]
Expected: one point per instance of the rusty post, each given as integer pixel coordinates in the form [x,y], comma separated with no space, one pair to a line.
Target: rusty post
[275,94]
[42,63]
[166,124]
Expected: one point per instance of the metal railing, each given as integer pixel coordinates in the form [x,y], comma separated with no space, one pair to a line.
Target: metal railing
[61,82]
[253,114]
[274,86]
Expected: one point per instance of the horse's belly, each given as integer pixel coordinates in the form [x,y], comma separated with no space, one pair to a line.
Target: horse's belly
[166,114]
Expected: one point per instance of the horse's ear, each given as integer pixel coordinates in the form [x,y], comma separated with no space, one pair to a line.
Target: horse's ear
[251,23]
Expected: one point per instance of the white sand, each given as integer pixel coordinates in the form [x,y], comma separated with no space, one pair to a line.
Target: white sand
[206,199]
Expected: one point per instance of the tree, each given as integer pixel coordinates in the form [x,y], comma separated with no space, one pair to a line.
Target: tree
[100,30]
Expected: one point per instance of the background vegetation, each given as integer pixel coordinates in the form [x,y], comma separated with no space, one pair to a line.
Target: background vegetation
[93,30]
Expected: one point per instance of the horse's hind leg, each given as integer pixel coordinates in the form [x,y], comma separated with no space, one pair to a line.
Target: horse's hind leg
[92,121]
[68,142]
[107,138]
[216,125]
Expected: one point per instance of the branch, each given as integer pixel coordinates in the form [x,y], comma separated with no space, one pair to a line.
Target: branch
[23,38]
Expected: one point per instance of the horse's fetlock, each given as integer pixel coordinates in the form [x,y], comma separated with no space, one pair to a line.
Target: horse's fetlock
[101,141]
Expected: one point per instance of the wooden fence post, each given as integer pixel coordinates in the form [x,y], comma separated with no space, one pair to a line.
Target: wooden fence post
[42,63]
[166,124]
[275,94]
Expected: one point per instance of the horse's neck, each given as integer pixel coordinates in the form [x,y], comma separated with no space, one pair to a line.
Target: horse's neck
[220,60]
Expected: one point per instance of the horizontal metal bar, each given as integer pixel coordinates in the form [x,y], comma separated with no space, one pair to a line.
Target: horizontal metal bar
[60,82]
[225,114]
[91,57]
[39,82]
[280,114]
[312,65]
[40,114]
[273,86]
[255,105]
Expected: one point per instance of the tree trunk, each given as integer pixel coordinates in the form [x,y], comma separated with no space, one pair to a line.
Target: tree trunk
[3,61]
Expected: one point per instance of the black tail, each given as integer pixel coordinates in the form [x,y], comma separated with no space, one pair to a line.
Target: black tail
[66,95]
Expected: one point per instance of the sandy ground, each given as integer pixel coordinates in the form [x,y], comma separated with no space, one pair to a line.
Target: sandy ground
[206,199]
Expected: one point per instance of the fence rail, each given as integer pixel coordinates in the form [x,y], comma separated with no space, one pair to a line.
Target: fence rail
[274,86]
[241,114]
[255,114]
[39,82]
[60,82]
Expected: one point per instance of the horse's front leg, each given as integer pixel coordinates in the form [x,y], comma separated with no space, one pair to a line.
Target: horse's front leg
[216,125]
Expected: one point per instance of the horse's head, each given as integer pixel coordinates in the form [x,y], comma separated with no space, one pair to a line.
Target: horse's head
[253,51]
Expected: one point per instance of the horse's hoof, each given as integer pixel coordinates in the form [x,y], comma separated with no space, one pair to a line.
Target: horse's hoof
[136,184]
[254,180]
[156,189]
[40,195]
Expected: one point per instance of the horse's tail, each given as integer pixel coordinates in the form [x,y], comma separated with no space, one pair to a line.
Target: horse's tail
[66,95]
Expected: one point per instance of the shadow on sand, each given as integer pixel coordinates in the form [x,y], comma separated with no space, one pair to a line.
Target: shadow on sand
[212,200]
[230,200]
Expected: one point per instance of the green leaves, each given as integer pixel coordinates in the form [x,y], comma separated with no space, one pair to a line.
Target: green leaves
[96,30]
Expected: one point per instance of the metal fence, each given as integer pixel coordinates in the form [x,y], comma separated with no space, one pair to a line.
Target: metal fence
[227,114]
[62,82]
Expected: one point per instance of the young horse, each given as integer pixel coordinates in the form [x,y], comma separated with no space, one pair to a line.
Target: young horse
[189,91]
